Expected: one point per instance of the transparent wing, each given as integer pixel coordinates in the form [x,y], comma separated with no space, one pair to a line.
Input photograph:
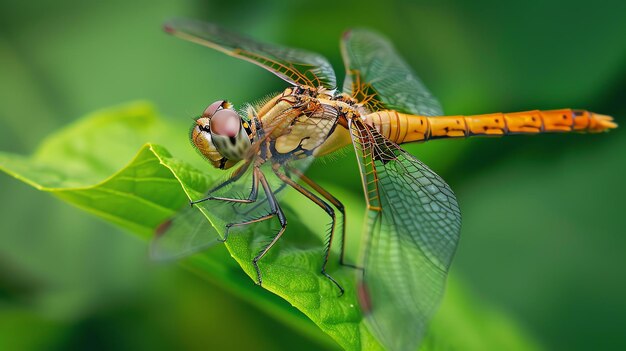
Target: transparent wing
[412,230]
[295,66]
[203,225]
[199,227]
[379,78]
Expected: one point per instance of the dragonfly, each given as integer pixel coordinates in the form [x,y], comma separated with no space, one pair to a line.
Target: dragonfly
[412,221]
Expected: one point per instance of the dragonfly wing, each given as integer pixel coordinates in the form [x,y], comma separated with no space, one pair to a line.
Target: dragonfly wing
[377,76]
[412,230]
[202,225]
[295,66]
[196,228]
[188,232]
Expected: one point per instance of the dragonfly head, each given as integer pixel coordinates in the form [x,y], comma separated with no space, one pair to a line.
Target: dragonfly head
[221,135]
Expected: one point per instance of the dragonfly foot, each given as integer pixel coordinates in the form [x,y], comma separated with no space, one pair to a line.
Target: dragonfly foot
[341,290]
[193,202]
[226,232]
[350,265]
[259,280]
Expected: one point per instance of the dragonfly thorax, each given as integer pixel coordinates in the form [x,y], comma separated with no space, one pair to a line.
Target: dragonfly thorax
[221,135]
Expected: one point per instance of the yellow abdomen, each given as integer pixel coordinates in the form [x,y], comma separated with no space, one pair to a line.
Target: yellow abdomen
[404,128]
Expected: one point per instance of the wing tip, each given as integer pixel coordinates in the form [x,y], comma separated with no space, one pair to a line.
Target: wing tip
[159,232]
[168,28]
[162,228]
[364,298]
[347,33]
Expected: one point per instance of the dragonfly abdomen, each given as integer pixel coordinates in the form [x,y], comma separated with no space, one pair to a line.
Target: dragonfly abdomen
[404,128]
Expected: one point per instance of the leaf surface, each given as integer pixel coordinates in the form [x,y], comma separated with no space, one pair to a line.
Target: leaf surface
[87,164]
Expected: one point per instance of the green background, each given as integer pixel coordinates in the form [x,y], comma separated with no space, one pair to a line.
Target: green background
[542,237]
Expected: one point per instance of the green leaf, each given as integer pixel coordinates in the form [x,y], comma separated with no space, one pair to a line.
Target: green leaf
[86,164]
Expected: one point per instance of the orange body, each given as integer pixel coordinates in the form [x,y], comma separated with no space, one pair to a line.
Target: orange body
[405,128]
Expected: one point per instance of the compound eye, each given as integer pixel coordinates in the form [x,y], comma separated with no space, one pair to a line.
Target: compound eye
[210,111]
[226,122]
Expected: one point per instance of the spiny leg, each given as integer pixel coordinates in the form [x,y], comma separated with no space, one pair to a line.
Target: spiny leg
[252,197]
[246,222]
[329,210]
[236,175]
[333,200]
[258,204]
[277,211]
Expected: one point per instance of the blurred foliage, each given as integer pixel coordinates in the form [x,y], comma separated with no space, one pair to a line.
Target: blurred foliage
[543,216]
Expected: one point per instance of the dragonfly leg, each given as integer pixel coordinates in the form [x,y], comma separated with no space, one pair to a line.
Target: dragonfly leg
[258,204]
[333,200]
[236,175]
[276,211]
[329,210]
[250,221]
